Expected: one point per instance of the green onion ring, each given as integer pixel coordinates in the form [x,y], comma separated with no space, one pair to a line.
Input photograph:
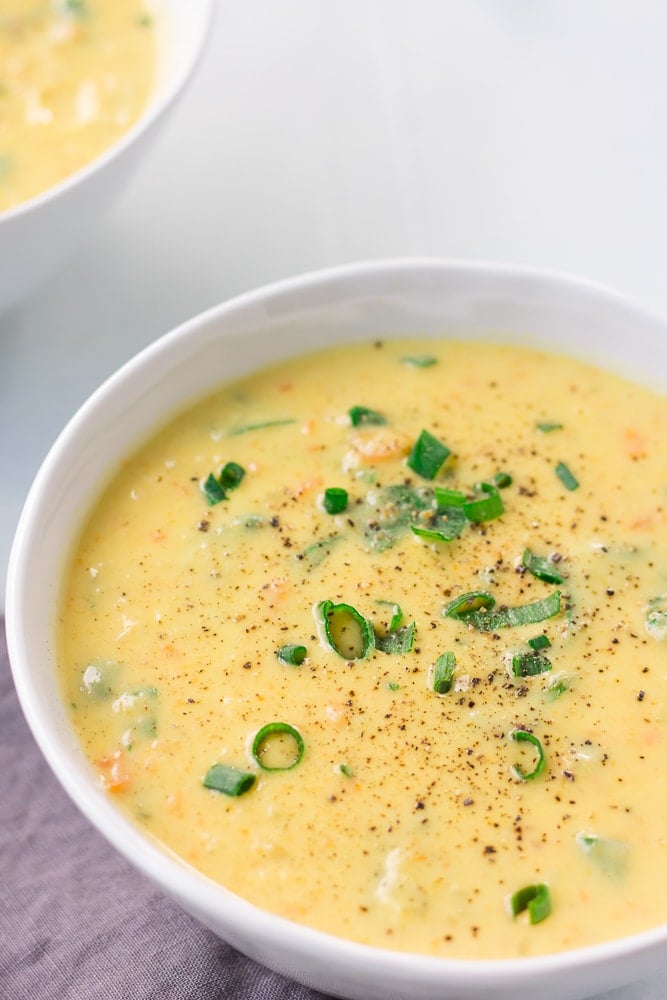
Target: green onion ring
[270,729]
[521,736]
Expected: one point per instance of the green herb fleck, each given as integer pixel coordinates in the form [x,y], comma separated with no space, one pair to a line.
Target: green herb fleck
[361,416]
[335,500]
[533,898]
[569,481]
[419,361]
[428,455]
[228,780]
[442,677]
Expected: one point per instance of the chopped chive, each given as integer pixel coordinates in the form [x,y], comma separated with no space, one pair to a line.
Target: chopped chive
[344,630]
[547,426]
[466,604]
[569,481]
[484,508]
[316,553]
[443,673]
[294,655]
[419,361]
[246,428]
[557,687]
[543,569]
[231,475]
[521,736]
[263,739]
[610,856]
[401,640]
[428,455]
[533,898]
[444,526]
[78,7]
[228,780]
[345,770]
[526,614]
[539,642]
[334,500]
[393,686]
[530,664]
[449,498]
[212,490]
[361,416]
[502,480]
[396,614]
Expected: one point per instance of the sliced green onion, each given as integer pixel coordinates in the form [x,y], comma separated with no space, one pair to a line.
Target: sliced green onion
[449,498]
[533,898]
[316,553]
[334,500]
[557,687]
[246,428]
[212,490]
[547,427]
[401,640]
[228,780]
[502,480]
[530,664]
[543,569]
[396,614]
[428,455]
[344,630]
[610,856]
[521,736]
[361,416]
[466,604]
[484,508]
[569,481]
[267,735]
[294,655]
[393,686]
[419,361]
[231,475]
[77,7]
[527,614]
[443,673]
[539,642]
[445,525]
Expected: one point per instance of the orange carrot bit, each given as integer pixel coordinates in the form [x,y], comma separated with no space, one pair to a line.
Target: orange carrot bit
[378,446]
[307,486]
[635,444]
[115,776]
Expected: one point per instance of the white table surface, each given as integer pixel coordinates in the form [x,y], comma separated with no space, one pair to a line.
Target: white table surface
[323,131]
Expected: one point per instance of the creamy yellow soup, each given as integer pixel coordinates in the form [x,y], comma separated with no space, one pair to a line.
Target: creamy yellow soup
[74,77]
[471,776]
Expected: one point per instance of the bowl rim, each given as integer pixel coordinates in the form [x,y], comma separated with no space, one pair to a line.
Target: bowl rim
[159,101]
[194,891]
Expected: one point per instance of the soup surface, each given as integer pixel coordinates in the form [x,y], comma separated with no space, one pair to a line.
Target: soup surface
[297,550]
[76,74]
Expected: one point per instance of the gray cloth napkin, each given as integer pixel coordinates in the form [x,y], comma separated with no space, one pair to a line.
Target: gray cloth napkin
[76,921]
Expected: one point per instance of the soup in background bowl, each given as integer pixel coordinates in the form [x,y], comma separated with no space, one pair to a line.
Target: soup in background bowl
[86,82]
[440,445]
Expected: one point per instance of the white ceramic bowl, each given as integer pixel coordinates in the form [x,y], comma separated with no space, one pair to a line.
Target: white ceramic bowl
[352,303]
[40,234]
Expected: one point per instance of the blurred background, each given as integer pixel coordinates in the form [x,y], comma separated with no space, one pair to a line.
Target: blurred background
[319,132]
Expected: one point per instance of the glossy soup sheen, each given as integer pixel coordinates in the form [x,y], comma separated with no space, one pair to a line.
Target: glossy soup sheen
[75,76]
[413,816]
